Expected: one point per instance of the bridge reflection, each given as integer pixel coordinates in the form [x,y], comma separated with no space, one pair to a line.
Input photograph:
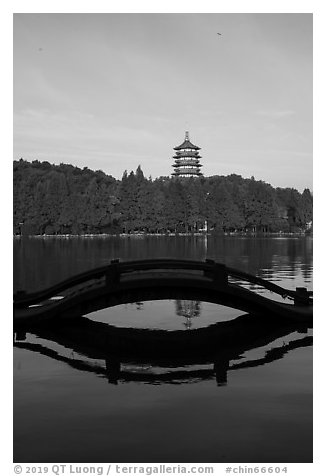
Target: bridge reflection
[164,357]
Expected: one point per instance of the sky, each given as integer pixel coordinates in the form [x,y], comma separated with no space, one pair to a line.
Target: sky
[112,91]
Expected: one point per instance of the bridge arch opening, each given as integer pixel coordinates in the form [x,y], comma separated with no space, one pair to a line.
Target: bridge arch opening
[165,314]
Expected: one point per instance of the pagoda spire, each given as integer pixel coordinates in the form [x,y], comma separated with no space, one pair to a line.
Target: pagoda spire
[187,159]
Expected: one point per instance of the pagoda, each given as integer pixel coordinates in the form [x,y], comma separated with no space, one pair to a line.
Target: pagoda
[187,159]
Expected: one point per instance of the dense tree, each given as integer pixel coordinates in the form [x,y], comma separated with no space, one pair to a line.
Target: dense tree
[62,198]
[306,207]
[260,208]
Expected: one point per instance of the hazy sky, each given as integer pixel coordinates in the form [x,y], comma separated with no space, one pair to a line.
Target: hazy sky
[112,91]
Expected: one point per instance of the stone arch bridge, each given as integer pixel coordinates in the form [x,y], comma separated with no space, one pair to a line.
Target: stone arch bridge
[123,282]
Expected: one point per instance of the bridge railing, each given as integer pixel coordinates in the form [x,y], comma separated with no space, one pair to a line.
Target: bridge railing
[217,272]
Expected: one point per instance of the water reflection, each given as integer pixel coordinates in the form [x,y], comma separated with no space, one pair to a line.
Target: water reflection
[121,354]
[247,392]
[188,309]
[39,263]
[164,314]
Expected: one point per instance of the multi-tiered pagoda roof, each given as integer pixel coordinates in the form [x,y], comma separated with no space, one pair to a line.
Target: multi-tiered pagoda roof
[187,159]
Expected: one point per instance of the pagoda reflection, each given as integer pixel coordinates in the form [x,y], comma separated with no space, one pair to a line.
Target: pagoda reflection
[188,309]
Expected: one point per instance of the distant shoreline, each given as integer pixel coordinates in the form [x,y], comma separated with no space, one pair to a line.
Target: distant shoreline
[144,235]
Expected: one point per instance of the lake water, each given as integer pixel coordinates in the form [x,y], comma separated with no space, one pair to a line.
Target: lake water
[74,403]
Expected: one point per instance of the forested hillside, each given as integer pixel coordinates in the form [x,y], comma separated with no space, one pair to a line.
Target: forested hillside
[63,199]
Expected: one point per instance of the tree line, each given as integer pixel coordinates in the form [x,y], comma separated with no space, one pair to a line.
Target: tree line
[63,199]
